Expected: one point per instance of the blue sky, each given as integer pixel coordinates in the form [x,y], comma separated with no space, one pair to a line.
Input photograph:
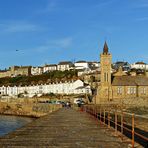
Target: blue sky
[35,32]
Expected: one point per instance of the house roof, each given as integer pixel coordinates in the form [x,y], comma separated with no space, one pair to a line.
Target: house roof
[65,63]
[130,81]
[140,63]
[50,65]
[81,87]
[81,62]
[21,67]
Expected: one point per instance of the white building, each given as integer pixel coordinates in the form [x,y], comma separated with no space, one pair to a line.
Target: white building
[36,70]
[65,65]
[81,65]
[84,67]
[83,90]
[68,87]
[48,68]
[96,64]
[139,65]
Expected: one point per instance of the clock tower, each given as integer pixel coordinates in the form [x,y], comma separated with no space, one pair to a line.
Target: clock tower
[105,60]
[104,93]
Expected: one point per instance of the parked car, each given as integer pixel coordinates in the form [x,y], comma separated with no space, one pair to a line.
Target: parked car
[79,101]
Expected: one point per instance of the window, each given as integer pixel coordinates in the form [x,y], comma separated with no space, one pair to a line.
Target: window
[134,90]
[119,90]
[40,87]
[131,90]
[143,90]
[105,77]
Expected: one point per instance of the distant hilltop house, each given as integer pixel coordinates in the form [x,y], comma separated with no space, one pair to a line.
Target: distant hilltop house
[65,65]
[49,68]
[115,87]
[139,65]
[36,70]
[84,67]
[125,66]
[67,87]
[15,71]
[81,65]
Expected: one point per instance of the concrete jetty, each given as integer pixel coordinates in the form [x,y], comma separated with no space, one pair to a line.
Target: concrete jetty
[65,128]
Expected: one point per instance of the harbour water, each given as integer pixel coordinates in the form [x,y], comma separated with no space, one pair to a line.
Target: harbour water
[11,123]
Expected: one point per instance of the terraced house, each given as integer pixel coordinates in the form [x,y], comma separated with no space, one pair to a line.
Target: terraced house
[67,87]
[120,84]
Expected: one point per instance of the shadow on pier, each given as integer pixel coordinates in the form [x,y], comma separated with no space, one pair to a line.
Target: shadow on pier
[127,131]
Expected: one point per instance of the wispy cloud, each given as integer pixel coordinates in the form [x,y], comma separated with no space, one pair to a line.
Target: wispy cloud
[63,43]
[15,27]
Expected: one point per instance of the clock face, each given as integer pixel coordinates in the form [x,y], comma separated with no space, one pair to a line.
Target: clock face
[106,62]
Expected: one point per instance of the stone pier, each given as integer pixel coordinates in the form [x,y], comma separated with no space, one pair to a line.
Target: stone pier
[65,128]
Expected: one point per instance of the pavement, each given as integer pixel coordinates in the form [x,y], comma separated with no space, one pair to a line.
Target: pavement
[65,128]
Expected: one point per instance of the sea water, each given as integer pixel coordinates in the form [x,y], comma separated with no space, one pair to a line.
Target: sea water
[11,123]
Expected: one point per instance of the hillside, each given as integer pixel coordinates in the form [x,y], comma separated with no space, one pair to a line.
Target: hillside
[39,79]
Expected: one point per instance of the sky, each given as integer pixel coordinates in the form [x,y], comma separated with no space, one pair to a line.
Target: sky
[38,32]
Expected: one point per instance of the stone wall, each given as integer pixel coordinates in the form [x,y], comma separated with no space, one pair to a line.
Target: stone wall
[25,109]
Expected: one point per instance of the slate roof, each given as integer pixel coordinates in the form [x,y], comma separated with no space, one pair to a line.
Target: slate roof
[50,65]
[81,87]
[81,62]
[65,63]
[130,81]
[140,63]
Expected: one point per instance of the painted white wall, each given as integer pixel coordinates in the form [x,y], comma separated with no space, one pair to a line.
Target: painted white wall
[63,67]
[49,68]
[57,88]
[139,66]
[81,65]
[36,70]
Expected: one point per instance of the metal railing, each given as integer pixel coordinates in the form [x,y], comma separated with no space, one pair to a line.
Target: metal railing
[122,122]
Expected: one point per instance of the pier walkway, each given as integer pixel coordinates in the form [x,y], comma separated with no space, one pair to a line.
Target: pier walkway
[65,128]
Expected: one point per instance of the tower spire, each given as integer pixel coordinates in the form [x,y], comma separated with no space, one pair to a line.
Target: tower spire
[105,48]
